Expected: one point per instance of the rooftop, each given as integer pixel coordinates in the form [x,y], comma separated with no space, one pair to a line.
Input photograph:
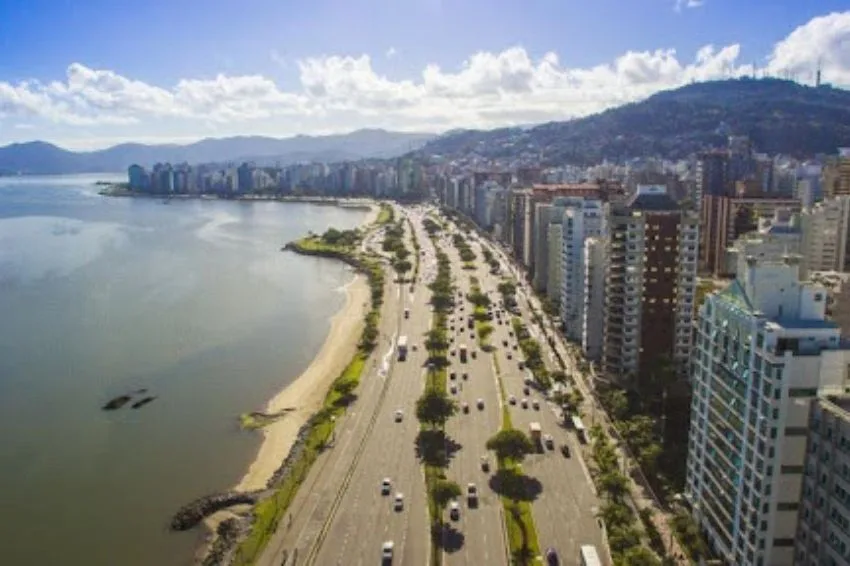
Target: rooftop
[804,323]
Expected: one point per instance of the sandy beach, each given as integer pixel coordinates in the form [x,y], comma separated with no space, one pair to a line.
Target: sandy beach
[306,393]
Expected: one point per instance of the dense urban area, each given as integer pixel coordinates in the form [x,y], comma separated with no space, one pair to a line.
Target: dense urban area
[683,325]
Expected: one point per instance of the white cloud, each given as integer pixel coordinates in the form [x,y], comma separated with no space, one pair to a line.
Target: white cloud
[391,52]
[339,93]
[687,4]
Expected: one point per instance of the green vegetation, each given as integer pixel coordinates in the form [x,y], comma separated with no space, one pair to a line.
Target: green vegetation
[689,536]
[268,512]
[466,254]
[431,226]
[257,420]
[385,215]
[394,243]
[480,303]
[624,530]
[532,353]
[511,446]
[435,407]
[416,249]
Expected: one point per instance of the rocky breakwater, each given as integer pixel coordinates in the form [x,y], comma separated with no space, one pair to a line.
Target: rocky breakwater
[193,513]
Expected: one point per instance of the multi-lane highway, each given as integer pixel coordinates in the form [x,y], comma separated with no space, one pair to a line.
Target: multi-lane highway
[340,515]
[481,527]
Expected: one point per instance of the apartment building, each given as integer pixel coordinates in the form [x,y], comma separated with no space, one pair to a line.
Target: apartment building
[836,175]
[826,235]
[650,280]
[592,326]
[775,237]
[823,526]
[763,349]
[583,218]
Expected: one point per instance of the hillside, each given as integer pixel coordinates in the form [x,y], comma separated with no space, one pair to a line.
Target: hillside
[43,158]
[779,116]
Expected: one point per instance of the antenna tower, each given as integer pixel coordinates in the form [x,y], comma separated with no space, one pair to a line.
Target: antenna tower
[818,73]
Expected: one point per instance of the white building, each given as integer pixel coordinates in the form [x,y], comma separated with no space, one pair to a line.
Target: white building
[582,219]
[762,351]
[594,298]
[555,280]
[826,229]
[775,237]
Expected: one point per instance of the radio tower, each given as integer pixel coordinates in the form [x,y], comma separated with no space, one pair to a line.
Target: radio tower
[817,74]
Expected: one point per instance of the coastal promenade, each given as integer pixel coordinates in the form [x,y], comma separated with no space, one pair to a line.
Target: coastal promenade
[333,506]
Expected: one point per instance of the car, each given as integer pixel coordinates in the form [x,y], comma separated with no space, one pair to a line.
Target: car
[565,450]
[472,335]
[471,495]
[516,347]
[535,404]
[386,486]
[485,464]
[398,503]
[387,551]
[453,389]
[511,333]
[548,441]
[521,365]
[474,354]
[524,403]
[411,288]
[464,407]
[526,390]
[480,404]
[454,511]
[464,376]
[512,400]
[505,343]
[399,415]
[552,557]
[508,355]
[453,375]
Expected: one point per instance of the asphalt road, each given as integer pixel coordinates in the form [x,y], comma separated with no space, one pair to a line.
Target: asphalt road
[565,506]
[479,536]
[339,516]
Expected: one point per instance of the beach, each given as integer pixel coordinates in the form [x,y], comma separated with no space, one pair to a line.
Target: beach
[306,394]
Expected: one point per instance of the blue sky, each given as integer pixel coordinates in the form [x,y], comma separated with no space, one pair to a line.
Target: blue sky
[89,73]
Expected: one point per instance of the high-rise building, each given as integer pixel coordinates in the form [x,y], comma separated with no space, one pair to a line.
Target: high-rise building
[540,247]
[554,241]
[836,175]
[712,175]
[762,351]
[138,178]
[650,281]
[823,527]
[594,298]
[583,218]
[826,235]
[245,178]
[723,219]
[520,211]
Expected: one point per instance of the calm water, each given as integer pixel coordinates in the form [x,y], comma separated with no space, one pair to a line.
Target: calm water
[101,296]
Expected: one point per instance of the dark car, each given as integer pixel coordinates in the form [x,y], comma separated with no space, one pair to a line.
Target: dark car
[552,557]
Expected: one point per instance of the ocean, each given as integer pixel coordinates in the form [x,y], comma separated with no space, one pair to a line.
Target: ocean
[191,300]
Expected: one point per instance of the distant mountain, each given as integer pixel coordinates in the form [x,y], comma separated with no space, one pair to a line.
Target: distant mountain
[43,158]
[779,116]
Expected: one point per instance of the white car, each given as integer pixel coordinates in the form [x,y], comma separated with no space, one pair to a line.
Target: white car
[453,389]
[480,404]
[399,415]
[549,441]
[398,504]
[454,511]
[524,403]
[472,495]
[535,405]
[386,486]
[387,550]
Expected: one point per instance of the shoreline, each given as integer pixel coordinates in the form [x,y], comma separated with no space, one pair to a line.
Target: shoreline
[306,393]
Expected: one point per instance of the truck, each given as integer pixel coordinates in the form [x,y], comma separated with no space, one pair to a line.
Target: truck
[463,353]
[402,348]
[535,433]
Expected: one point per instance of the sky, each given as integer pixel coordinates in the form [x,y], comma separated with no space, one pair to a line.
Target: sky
[87,74]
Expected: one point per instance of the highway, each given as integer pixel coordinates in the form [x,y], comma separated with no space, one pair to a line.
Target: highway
[481,539]
[339,515]
[565,505]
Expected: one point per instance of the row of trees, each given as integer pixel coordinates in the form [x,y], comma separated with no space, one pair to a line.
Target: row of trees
[532,353]
[624,534]
[394,243]
[466,253]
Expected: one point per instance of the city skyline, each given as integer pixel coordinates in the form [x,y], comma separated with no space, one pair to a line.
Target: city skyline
[85,90]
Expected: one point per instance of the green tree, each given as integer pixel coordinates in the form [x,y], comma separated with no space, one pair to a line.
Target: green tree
[614,484]
[510,444]
[615,514]
[640,556]
[443,492]
[617,403]
[435,408]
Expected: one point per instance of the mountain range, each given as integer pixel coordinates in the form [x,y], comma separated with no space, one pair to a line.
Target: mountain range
[42,158]
[779,116]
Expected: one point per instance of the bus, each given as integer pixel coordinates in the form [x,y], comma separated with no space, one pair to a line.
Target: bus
[581,433]
[589,556]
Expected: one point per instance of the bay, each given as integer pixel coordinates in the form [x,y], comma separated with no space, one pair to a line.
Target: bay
[191,300]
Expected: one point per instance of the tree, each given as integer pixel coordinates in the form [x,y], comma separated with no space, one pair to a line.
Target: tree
[507,288]
[615,515]
[434,408]
[510,444]
[623,538]
[640,556]
[402,266]
[614,484]
[617,403]
[444,491]
[559,376]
